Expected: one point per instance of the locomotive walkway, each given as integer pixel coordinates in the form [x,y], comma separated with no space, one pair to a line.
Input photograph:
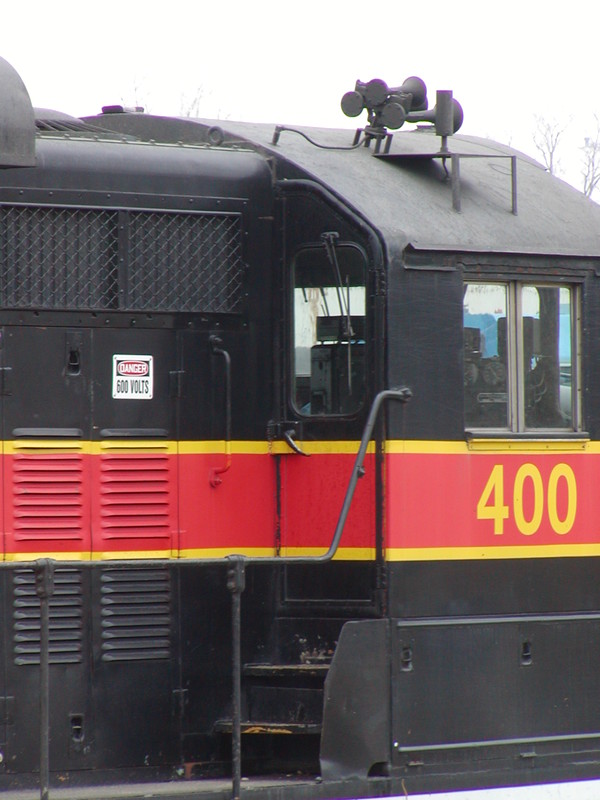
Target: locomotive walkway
[290,788]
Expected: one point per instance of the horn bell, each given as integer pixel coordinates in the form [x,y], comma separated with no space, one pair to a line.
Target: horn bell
[434,115]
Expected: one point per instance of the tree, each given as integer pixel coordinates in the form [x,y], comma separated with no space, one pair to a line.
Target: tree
[190,104]
[591,160]
[546,139]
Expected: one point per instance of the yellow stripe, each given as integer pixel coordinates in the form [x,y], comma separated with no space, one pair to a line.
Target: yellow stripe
[218,553]
[395,554]
[223,552]
[481,553]
[407,447]
[114,555]
[342,554]
[531,446]
[45,446]
[401,446]
[273,448]
[218,447]
[525,446]
[49,446]
[54,556]
[133,446]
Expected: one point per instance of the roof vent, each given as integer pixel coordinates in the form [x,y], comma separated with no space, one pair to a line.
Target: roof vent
[17,120]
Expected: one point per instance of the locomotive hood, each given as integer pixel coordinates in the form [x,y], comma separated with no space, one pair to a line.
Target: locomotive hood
[407,194]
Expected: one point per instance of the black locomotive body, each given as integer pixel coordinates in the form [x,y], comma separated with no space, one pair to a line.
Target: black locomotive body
[200,327]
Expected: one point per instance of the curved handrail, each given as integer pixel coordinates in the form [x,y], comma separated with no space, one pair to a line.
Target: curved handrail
[216,472]
[402,395]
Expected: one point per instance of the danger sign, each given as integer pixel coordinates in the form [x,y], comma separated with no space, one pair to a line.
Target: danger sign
[132,377]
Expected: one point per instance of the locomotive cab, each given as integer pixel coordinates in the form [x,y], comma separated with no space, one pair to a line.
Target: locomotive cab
[208,336]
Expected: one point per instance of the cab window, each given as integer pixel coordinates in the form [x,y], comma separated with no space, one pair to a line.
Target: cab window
[328,329]
[520,356]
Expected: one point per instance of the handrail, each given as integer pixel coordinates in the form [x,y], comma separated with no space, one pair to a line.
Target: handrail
[44,587]
[44,571]
[216,472]
[403,395]
[236,580]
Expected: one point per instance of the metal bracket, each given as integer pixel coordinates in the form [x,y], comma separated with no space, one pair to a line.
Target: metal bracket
[289,437]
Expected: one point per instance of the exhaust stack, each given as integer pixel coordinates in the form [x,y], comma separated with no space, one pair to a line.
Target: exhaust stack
[17,120]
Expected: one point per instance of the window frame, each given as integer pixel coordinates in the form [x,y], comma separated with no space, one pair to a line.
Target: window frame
[515,372]
[340,244]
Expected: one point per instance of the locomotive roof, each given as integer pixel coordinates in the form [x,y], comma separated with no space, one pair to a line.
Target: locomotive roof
[408,196]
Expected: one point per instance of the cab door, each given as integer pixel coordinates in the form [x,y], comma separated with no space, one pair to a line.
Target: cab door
[330,368]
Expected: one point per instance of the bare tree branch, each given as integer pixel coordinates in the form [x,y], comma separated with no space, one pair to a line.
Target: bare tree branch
[190,105]
[546,139]
[591,160]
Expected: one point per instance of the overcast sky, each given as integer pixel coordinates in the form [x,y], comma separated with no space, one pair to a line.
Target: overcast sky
[291,61]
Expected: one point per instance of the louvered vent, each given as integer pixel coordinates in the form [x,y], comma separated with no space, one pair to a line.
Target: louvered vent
[137,497]
[136,606]
[66,617]
[48,494]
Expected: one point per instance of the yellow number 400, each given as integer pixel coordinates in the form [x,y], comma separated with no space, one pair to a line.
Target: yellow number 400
[491,503]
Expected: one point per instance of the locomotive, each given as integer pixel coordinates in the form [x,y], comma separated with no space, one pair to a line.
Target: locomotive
[298,441]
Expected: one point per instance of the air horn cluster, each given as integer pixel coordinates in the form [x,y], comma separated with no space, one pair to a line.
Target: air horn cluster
[392,107]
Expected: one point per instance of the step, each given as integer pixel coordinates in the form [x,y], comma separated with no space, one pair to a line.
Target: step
[285,670]
[277,728]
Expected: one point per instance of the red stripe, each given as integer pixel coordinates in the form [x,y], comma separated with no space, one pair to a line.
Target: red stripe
[158,502]
[433,499]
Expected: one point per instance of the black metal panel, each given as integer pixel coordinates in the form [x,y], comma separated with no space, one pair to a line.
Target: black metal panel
[502,586]
[425,353]
[346,584]
[71,719]
[40,360]
[459,684]
[355,741]
[159,412]
[135,668]
[206,680]
[153,177]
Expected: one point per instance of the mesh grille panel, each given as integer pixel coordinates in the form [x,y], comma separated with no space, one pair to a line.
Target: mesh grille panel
[58,258]
[184,262]
[97,259]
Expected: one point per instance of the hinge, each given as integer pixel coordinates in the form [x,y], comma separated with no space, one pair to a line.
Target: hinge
[7,710]
[176,383]
[380,283]
[180,698]
[5,380]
